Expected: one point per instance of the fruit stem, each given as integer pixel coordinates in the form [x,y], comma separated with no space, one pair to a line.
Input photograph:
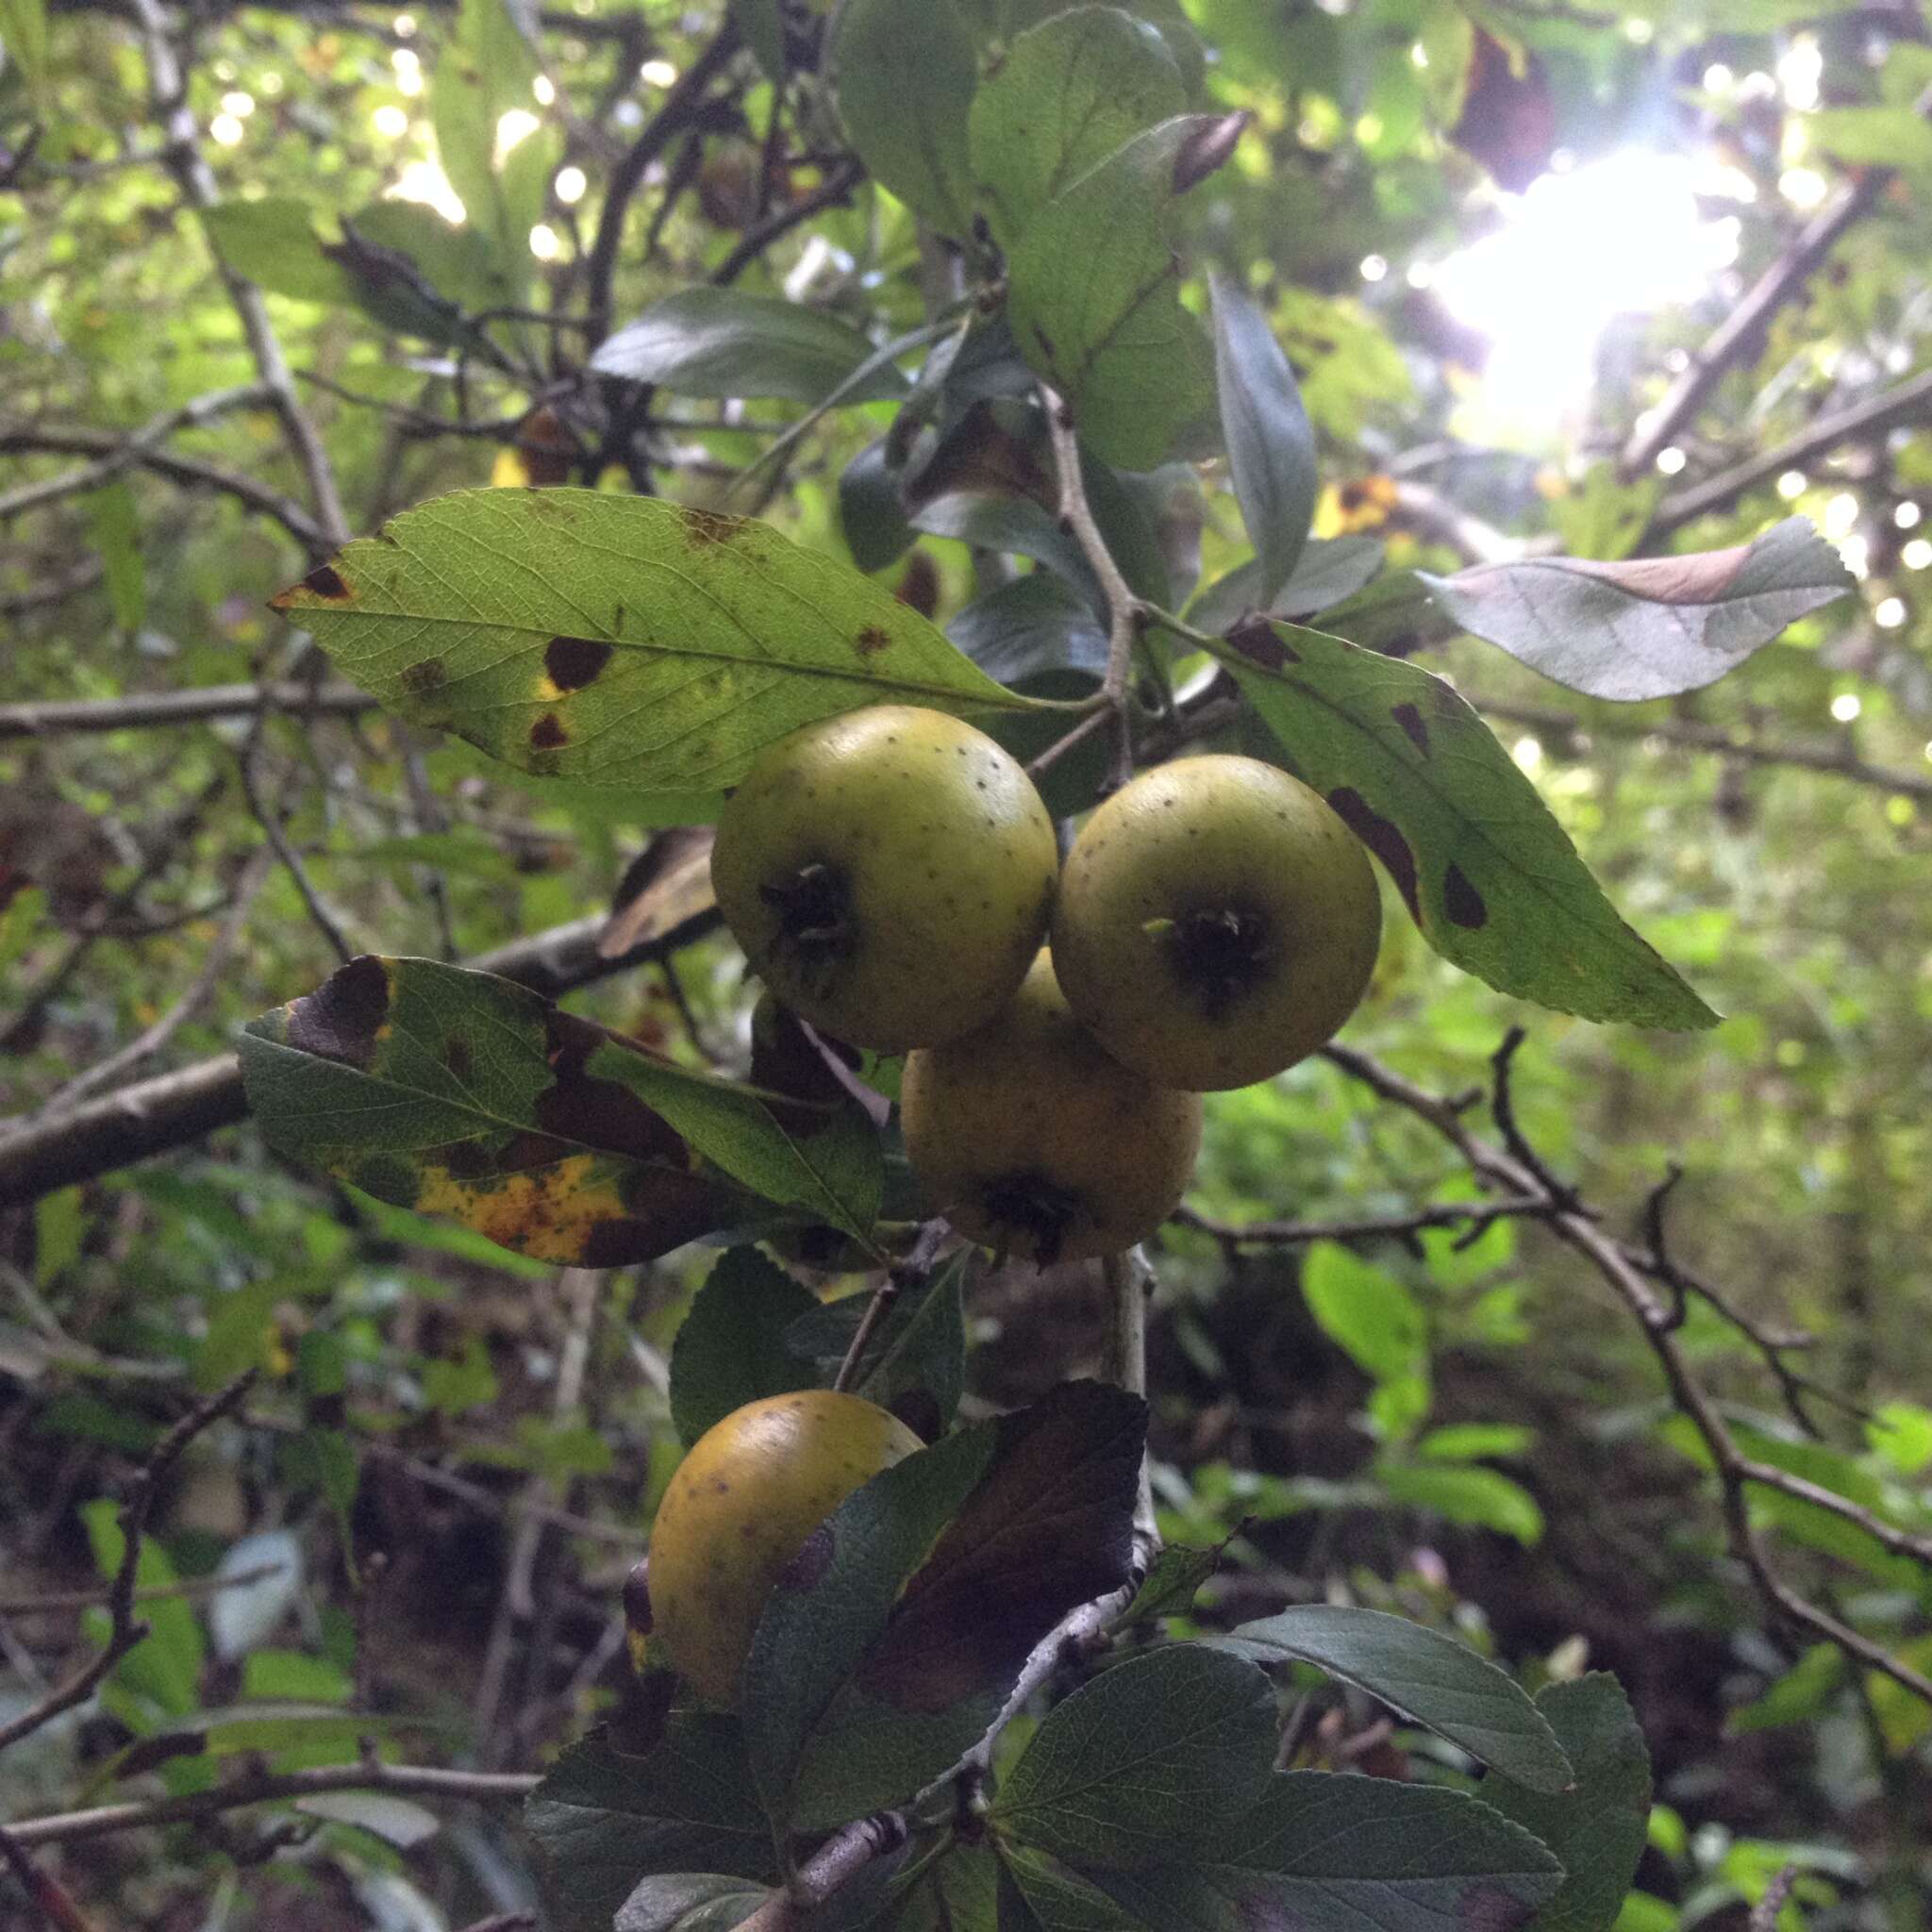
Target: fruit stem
[1126,613]
[909,1274]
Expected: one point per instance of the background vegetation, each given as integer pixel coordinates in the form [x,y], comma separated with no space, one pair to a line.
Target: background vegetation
[1620,283]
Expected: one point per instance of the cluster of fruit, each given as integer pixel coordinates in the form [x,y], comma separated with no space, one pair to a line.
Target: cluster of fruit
[891,873]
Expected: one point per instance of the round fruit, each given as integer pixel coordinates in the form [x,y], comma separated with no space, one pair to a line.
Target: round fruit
[889,873]
[1216,923]
[1029,1136]
[740,1505]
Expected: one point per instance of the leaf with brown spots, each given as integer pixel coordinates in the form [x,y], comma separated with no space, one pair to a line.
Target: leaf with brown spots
[1651,626]
[1487,874]
[621,640]
[455,1093]
[872,1676]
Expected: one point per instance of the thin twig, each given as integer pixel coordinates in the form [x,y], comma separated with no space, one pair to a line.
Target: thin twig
[1473,1215]
[197,705]
[919,1263]
[834,190]
[259,1786]
[319,915]
[1764,1914]
[52,1903]
[192,1587]
[125,1630]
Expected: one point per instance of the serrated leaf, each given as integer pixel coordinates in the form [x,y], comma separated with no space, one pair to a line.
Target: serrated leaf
[1368,1854]
[451,1091]
[903,72]
[730,1348]
[689,1902]
[1488,876]
[1597,1829]
[1425,1676]
[1148,1760]
[1038,1893]
[619,640]
[1271,445]
[915,1364]
[707,341]
[959,1893]
[1651,627]
[886,1649]
[1093,297]
[1068,94]
[602,1817]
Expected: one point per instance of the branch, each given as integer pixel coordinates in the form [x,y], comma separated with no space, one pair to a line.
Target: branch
[196,706]
[1626,1272]
[176,1108]
[190,472]
[155,1592]
[1472,1216]
[834,190]
[627,176]
[125,1630]
[1835,760]
[1739,333]
[1890,408]
[260,1787]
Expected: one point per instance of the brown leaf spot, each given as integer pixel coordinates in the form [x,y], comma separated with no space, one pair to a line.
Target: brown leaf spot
[1411,721]
[465,1160]
[870,641]
[1258,641]
[547,733]
[1486,1908]
[422,678]
[528,1151]
[703,526]
[1383,838]
[1464,905]
[813,1559]
[325,581]
[339,1019]
[626,1241]
[607,1116]
[574,662]
[1207,148]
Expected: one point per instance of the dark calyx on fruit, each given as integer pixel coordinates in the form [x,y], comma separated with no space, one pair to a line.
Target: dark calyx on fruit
[815,918]
[1035,1206]
[1219,955]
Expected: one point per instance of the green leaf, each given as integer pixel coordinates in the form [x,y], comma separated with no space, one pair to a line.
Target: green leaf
[485,68]
[1653,628]
[730,1349]
[1033,626]
[1472,1441]
[1271,447]
[1329,570]
[413,272]
[1875,137]
[1362,1853]
[60,1224]
[602,1817]
[23,41]
[1148,1760]
[1365,1311]
[689,1902]
[1177,1574]
[273,241]
[887,1648]
[1093,296]
[870,512]
[705,342]
[116,526]
[915,1364]
[1598,1828]
[903,72]
[1425,1676]
[1068,94]
[619,640]
[451,1091]
[1488,876]
[959,1893]
[165,1666]
[267,1674]
[1038,1893]
[1477,1498]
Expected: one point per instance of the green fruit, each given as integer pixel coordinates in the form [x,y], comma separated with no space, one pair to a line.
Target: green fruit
[1216,923]
[1028,1136]
[889,873]
[740,1505]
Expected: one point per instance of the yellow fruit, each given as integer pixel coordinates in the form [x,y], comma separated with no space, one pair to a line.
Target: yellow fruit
[1216,923]
[889,873]
[1029,1136]
[740,1505]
